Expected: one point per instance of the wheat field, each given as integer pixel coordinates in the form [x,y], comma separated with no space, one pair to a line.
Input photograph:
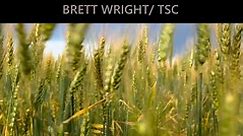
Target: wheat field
[128,89]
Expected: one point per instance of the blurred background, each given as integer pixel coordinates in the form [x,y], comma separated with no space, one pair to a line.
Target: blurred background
[184,35]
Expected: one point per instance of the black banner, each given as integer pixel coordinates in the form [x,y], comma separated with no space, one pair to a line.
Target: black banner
[122,11]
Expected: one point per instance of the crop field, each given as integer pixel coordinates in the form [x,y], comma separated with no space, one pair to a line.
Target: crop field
[123,89]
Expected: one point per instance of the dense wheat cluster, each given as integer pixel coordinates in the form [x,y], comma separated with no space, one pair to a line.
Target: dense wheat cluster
[128,89]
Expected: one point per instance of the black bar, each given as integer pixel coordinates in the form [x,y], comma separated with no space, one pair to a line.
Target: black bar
[189,11]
